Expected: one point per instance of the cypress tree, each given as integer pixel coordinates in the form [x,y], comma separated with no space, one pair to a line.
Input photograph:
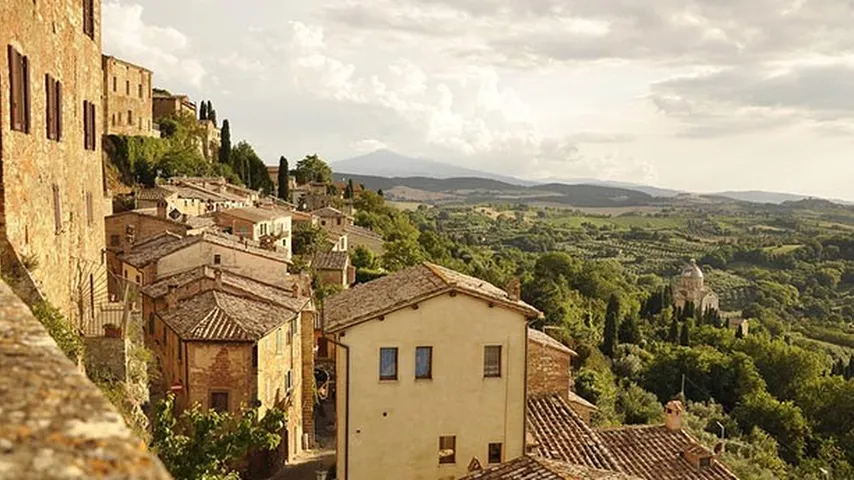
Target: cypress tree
[609,345]
[283,178]
[849,370]
[203,111]
[211,114]
[673,334]
[629,331]
[349,192]
[225,143]
[380,192]
[685,334]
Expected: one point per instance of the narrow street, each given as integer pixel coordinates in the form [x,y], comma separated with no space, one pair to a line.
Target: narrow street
[306,466]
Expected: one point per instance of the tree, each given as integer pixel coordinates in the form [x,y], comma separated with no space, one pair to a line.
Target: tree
[348,191]
[312,169]
[363,258]
[203,111]
[251,169]
[283,192]
[380,192]
[629,331]
[783,420]
[211,114]
[685,333]
[206,444]
[612,316]
[225,144]
[307,239]
[673,333]
[637,406]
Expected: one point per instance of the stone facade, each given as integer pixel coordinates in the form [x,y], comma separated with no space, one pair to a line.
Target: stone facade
[691,287]
[164,105]
[211,140]
[549,366]
[51,200]
[127,98]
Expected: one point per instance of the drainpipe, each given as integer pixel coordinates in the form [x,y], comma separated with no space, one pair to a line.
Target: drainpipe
[346,408]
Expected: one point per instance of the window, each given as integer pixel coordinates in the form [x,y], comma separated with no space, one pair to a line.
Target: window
[151,323]
[114,120]
[115,84]
[53,108]
[289,381]
[89,18]
[322,347]
[495,453]
[279,341]
[388,363]
[448,449]
[217,259]
[139,282]
[130,117]
[57,209]
[140,90]
[127,87]
[163,330]
[180,354]
[89,125]
[492,361]
[90,214]
[19,91]
[115,240]
[255,357]
[424,362]
[219,401]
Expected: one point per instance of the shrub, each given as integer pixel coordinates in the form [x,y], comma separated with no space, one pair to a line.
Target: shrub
[63,332]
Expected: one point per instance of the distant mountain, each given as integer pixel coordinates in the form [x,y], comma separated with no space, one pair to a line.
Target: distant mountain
[385,163]
[648,189]
[758,196]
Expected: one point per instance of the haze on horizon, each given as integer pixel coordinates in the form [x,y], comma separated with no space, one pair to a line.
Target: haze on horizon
[700,95]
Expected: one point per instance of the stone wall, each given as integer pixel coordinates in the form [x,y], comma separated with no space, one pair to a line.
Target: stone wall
[106,357]
[127,98]
[50,33]
[307,339]
[549,370]
[54,423]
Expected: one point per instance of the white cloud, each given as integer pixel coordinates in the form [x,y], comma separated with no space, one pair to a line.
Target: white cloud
[165,50]
[367,145]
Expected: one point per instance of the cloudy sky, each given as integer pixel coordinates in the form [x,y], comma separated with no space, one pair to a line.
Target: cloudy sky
[701,95]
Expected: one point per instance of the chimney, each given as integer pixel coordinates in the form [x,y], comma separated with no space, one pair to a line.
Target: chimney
[172,297]
[673,415]
[162,206]
[514,290]
[218,278]
[296,290]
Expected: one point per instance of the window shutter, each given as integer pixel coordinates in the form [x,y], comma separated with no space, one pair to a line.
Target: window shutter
[92,142]
[48,88]
[57,212]
[14,105]
[57,98]
[25,66]
[85,125]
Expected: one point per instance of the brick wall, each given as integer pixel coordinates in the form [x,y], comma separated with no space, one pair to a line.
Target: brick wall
[548,370]
[50,33]
[127,88]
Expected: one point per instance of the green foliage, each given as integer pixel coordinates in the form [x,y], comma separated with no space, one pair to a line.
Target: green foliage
[282,179]
[312,169]
[685,333]
[629,330]
[637,406]
[250,168]
[785,368]
[225,144]
[205,444]
[362,258]
[612,318]
[63,332]
[307,239]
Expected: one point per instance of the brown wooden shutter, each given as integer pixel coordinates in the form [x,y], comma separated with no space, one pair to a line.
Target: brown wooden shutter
[57,212]
[14,105]
[57,98]
[48,88]
[89,18]
[85,125]
[89,210]
[92,141]
[25,66]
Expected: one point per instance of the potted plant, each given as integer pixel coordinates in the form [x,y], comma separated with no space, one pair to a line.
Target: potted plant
[112,330]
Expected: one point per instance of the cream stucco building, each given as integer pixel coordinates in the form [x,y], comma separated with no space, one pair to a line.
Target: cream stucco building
[430,370]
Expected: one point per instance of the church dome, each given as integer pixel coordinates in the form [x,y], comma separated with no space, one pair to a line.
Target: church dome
[692,270]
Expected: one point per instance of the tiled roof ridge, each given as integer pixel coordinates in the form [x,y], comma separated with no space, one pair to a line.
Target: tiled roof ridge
[217,294]
[437,272]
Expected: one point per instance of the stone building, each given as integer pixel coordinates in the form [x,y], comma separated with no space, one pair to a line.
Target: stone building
[265,225]
[427,339]
[223,340]
[691,288]
[166,104]
[211,140]
[127,99]
[51,182]
[179,199]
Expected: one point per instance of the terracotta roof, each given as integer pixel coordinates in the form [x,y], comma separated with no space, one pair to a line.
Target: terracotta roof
[158,247]
[545,339]
[650,452]
[279,294]
[357,230]
[301,216]
[560,434]
[330,261]
[330,212]
[576,398]
[533,468]
[154,193]
[255,214]
[653,452]
[219,316]
[406,287]
[204,221]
